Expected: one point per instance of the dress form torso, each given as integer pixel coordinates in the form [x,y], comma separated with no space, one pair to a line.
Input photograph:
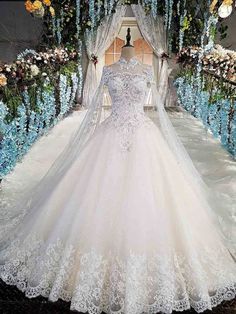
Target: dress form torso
[127,52]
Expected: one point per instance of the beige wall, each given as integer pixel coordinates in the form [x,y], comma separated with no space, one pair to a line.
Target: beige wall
[230,41]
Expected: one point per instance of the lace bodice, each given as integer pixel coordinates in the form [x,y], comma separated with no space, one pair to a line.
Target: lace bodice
[128,84]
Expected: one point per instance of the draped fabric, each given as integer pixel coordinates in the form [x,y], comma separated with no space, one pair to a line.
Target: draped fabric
[97,43]
[153,31]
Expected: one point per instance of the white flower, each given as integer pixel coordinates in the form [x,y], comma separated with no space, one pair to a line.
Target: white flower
[34,70]
[39,13]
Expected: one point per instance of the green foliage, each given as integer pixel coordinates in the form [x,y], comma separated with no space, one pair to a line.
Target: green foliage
[222,30]
[218,87]
[193,24]
[66,12]
[13,99]
[13,95]
[187,22]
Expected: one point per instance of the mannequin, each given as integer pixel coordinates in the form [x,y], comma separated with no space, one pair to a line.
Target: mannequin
[128,50]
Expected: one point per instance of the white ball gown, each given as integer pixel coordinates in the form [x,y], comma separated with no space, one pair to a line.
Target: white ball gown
[124,231]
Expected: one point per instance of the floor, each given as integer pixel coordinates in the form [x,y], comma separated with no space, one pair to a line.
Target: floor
[213,162]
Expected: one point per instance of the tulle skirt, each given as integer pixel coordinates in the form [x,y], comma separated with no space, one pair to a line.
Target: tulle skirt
[124,231]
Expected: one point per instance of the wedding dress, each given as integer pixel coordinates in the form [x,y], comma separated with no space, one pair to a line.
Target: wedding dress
[126,229]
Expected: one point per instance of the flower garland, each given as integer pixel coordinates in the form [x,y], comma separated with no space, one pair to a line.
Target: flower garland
[25,53]
[92,13]
[219,117]
[78,28]
[20,133]
[36,91]
[78,16]
[182,29]
[211,32]
[32,67]
[183,25]
[170,11]
[213,100]
[166,13]
[219,61]
[58,31]
[154,8]
[65,91]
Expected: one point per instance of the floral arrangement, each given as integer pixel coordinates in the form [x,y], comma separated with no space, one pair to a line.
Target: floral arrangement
[206,87]
[218,114]
[36,91]
[37,8]
[184,20]
[219,61]
[29,72]
[19,134]
[32,68]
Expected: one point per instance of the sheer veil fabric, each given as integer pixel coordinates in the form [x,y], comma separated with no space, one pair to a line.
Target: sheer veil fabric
[122,222]
[96,43]
[155,34]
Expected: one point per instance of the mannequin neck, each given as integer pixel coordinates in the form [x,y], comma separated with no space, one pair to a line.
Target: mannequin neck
[127,53]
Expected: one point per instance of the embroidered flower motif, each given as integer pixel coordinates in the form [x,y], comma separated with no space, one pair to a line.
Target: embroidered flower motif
[126,64]
[128,87]
[167,279]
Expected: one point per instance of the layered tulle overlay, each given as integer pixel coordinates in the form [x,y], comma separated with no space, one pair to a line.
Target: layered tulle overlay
[124,231]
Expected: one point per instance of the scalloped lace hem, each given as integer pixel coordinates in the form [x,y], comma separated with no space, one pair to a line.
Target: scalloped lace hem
[139,284]
[162,306]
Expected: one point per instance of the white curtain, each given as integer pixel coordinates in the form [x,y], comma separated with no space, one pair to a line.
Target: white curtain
[96,44]
[154,32]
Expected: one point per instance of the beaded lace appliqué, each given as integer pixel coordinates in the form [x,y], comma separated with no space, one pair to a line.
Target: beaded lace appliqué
[124,64]
[136,284]
[128,87]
